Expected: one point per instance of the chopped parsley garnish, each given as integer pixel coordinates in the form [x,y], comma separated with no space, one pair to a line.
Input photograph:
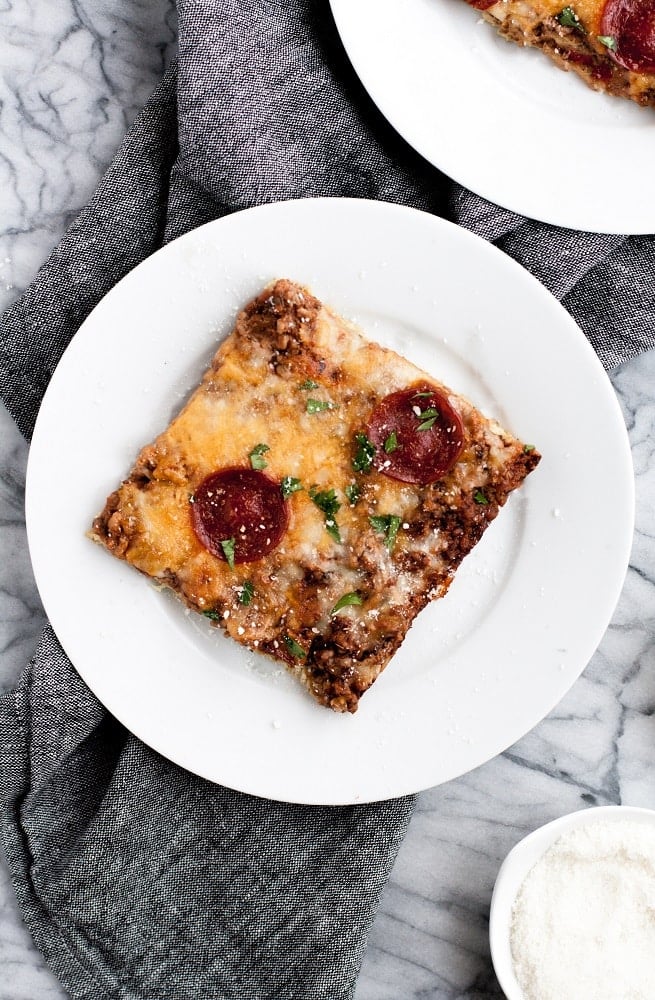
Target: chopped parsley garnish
[427,418]
[364,455]
[527,448]
[256,456]
[215,616]
[290,485]
[343,602]
[421,395]
[609,41]
[319,405]
[391,443]
[294,648]
[353,493]
[569,19]
[309,383]
[227,545]
[326,501]
[246,593]
[479,497]
[388,525]
[332,529]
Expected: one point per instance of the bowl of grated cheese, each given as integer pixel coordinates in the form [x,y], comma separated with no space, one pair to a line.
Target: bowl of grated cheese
[573,909]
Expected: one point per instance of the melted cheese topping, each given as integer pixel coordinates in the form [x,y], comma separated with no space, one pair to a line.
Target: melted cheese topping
[589,11]
[523,22]
[253,394]
[245,402]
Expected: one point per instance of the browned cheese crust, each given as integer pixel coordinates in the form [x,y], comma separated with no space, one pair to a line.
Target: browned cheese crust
[576,48]
[252,393]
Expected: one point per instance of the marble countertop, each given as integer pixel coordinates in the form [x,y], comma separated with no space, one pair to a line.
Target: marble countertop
[72,76]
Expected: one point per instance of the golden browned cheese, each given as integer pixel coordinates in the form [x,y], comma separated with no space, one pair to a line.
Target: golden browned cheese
[253,394]
[572,47]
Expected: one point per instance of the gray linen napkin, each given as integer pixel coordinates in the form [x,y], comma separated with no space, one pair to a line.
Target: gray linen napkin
[137,879]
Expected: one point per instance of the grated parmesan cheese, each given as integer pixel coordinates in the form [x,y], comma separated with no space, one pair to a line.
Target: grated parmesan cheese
[583,923]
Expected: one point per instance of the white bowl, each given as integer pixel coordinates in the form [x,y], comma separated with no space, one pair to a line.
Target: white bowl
[516,866]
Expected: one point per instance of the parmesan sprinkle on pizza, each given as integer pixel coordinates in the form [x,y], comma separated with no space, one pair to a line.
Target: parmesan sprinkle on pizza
[314,494]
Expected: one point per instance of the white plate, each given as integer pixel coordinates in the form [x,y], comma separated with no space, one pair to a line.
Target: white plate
[528,607]
[503,120]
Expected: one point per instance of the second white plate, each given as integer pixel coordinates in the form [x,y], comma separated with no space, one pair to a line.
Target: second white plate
[479,667]
[502,120]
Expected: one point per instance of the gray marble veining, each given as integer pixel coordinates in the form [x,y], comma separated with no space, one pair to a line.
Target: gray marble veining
[72,76]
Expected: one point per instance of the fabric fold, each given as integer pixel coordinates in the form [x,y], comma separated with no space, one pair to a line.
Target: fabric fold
[606,282]
[139,880]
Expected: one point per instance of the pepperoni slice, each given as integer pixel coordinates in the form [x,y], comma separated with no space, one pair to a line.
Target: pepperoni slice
[240,504]
[631,23]
[417,434]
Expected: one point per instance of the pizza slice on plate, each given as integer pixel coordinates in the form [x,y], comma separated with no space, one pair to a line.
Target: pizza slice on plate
[314,494]
[609,43]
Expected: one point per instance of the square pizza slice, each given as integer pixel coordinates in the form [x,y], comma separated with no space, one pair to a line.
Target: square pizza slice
[609,43]
[314,494]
